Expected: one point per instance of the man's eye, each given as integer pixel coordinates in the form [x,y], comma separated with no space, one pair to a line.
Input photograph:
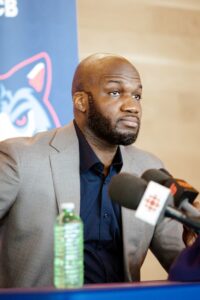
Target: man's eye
[137,97]
[114,93]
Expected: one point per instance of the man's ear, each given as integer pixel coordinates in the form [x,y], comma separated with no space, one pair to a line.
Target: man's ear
[80,101]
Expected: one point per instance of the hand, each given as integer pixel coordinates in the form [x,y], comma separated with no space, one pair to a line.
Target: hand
[189,236]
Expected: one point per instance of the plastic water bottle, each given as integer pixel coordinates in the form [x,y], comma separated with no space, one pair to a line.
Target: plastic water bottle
[68,249]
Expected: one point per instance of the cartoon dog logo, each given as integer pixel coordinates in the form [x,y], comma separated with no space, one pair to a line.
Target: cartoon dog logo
[25,108]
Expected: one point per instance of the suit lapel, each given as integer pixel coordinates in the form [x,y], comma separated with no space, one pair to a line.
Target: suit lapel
[131,166]
[136,233]
[65,167]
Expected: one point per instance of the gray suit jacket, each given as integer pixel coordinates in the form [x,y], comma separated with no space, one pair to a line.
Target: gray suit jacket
[37,174]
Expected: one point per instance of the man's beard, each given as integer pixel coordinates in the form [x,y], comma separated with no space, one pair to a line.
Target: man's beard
[102,127]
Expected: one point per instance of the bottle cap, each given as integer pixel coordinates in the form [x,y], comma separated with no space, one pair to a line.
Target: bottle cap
[68,205]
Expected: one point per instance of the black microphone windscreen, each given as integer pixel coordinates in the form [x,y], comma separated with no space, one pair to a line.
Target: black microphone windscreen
[127,190]
[180,189]
[157,175]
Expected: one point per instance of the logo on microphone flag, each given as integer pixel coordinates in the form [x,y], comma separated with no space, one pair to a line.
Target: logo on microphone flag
[153,202]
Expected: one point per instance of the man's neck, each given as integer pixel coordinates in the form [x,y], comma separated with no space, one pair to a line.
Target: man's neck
[103,150]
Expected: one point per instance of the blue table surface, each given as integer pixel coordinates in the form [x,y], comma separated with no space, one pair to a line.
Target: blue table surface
[146,290]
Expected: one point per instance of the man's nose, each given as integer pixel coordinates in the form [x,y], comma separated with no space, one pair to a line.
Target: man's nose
[130,105]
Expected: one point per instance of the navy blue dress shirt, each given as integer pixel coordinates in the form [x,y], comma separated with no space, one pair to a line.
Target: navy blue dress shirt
[103,253]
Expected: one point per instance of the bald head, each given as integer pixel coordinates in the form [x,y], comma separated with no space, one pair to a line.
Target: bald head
[94,67]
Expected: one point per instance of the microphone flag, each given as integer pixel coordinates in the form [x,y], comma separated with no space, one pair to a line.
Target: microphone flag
[153,203]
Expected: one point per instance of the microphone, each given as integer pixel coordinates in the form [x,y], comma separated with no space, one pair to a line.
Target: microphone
[151,200]
[127,189]
[184,194]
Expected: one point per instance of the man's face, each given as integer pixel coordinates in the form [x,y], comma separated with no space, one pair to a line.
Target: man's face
[114,113]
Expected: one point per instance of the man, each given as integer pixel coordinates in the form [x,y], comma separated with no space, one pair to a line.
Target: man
[75,163]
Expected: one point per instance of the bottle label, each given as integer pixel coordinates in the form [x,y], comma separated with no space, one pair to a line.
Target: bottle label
[68,255]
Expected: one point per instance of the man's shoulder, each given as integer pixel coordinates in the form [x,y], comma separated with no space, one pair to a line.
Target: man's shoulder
[39,140]
[40,137]
[139,159]
[135,151]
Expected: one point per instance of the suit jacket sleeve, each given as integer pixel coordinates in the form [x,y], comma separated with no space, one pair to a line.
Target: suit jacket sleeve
[167,242]
[9,177]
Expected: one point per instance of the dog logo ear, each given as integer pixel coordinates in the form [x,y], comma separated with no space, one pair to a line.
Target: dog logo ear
[36,77]
[24,98]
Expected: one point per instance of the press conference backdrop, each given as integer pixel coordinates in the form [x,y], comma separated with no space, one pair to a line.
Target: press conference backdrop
[38,55]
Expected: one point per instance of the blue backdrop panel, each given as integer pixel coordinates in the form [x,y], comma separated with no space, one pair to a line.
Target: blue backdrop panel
[38,56]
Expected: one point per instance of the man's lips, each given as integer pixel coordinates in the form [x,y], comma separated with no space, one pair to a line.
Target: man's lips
[129,121]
